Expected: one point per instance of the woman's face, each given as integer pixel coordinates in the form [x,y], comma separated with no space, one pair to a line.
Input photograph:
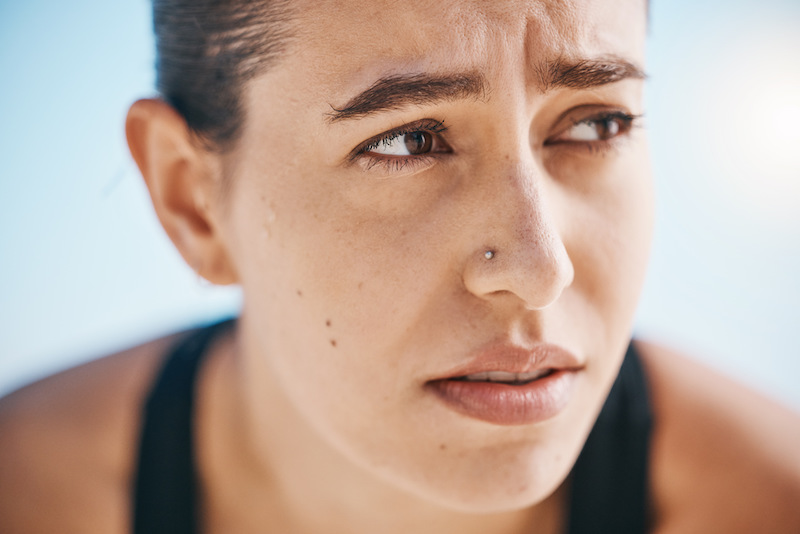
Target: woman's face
[359,220]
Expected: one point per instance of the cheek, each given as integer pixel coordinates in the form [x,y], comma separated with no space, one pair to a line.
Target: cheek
[334,280]
[608,227]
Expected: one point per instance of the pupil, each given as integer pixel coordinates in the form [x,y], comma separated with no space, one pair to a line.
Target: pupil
[609,128]
[418,142]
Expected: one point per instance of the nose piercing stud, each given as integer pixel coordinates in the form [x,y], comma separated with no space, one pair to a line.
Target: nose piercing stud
[489,254]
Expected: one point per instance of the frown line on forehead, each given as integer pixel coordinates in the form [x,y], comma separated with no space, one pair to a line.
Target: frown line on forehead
[400,91]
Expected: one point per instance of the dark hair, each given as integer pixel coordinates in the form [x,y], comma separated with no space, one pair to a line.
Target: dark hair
[205,52]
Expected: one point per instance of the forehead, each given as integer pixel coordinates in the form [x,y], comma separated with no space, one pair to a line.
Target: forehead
[358,39]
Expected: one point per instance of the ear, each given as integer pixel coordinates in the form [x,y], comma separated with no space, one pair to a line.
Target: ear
[180,175]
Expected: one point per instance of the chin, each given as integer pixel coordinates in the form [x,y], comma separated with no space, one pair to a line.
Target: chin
[493,480]
[497,496]
[510,468]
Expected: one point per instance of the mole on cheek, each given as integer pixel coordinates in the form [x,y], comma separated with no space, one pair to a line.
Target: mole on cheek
[299,293]
[333,343]
[328,323]
[442,447]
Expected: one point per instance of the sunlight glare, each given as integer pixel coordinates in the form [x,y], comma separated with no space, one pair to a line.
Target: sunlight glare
[758,143]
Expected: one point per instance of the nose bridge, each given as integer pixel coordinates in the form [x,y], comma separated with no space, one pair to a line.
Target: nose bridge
[529,256]
[532,231]
[526,208]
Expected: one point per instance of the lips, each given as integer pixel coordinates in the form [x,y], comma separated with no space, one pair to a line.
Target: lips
[510,385]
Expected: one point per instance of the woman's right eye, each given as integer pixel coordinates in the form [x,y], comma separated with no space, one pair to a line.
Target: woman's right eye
[408,147]
[419,138]
[407,144]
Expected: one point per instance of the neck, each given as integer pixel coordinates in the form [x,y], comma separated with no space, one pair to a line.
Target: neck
[264,465]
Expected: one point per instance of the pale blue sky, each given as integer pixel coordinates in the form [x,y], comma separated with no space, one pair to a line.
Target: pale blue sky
[84,267]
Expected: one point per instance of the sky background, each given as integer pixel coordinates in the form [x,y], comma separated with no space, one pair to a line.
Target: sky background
[85,268]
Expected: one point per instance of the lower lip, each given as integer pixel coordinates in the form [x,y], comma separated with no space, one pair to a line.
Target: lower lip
[505,404]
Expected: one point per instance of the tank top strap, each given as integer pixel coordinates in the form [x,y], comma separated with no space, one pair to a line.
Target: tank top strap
[609,482]
[165,492]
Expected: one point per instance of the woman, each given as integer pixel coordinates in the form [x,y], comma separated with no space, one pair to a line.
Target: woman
[439,214]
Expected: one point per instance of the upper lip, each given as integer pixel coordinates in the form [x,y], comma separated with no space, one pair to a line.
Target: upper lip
[512,358]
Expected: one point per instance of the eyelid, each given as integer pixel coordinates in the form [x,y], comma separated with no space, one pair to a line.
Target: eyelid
[423,125]
[397,167]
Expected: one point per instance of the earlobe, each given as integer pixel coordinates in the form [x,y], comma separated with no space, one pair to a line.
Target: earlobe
[179,174]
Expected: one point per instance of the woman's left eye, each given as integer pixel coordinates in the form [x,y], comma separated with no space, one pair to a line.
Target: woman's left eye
[598,128]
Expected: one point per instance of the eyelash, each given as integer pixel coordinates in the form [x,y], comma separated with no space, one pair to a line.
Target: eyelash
[627,122]
[397,163]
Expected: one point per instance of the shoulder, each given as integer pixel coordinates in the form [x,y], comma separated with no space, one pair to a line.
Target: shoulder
[67,445]
[724,458]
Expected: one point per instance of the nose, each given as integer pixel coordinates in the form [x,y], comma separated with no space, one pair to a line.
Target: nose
[518,249]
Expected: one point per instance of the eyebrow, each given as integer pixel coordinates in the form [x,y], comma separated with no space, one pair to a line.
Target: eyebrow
[400,91]
[585,73]
[404,90]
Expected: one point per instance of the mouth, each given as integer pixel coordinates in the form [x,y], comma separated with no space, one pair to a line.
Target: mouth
[511,386]
[503,377]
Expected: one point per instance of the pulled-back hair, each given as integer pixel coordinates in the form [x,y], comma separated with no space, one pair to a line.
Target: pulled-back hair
[206,50]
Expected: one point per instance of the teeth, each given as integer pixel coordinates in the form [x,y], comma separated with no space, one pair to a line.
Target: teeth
[478,377]
[533,375]
[502,376]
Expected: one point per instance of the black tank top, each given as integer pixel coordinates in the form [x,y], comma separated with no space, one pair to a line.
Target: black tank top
[608,484]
